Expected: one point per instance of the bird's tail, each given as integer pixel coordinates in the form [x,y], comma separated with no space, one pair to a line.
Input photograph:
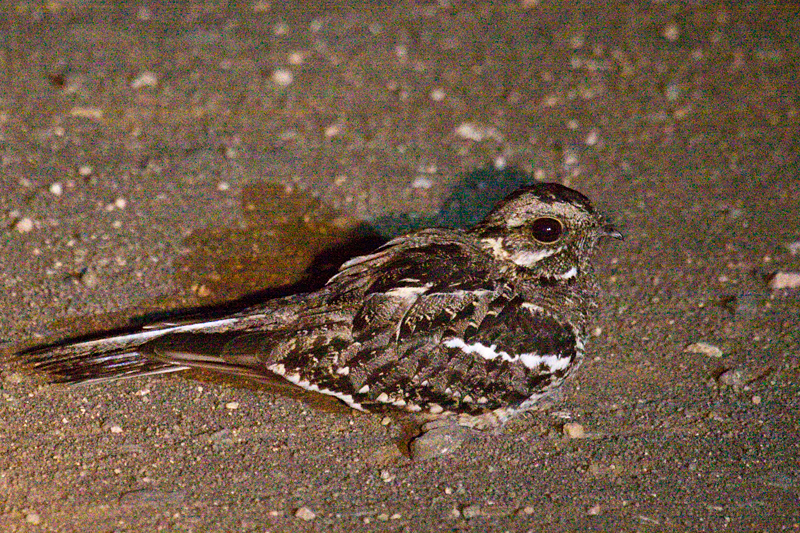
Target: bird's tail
[106,358]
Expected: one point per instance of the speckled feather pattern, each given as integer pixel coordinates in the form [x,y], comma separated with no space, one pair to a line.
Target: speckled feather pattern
[438,321]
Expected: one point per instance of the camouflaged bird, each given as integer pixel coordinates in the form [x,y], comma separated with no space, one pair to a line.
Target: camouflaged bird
[438,322]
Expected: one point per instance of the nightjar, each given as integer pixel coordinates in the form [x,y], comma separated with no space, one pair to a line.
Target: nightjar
[472,323]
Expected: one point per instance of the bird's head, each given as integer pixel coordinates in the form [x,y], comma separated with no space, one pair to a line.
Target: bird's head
[545,228]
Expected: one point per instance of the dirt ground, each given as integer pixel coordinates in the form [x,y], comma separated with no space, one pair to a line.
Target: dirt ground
[164,156]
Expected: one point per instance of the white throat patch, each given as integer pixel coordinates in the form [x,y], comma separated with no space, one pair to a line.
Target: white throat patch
[527,258]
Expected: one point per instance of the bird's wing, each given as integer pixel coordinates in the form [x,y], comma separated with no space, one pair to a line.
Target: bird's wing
[439,326]
[362,321]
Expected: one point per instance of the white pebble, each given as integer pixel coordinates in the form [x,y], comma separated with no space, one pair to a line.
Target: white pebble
[282,77]
[120,203]
[296,58]
[437,95]
[475,132]
[422,182]
[232,406]
[56,189]
[144,79]
[704,348]
[333,130]
[671,32]
[91,113]
[24,225]
[304,513]
[785,280]
[573,430]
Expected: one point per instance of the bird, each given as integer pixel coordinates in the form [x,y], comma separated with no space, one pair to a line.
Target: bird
[475,325]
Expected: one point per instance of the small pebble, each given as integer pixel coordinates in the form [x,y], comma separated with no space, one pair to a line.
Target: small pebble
[145,79]
[756,400]
[304,513]
[149,496]
[33,518]
[92,113]
[221,438]
[296,58]
[422,182]
[438,442]
[471,511]
[333,130]
[573,430]
[793,247]
[704,348]
[437,95]
[282,77]
[735,377]
[144,13]
[24,225]
[785,280]
[594,510]
[477,133]
[671,32]
[90,279]
[56,189]
[232,406]
[281,28]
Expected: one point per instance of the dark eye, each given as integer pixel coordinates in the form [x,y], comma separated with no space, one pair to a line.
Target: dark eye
[546,230]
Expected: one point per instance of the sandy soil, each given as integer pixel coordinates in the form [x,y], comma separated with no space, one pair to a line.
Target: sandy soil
[160,157]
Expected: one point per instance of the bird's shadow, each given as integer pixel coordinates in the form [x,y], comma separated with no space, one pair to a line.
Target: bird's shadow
[302,230]
[291,243]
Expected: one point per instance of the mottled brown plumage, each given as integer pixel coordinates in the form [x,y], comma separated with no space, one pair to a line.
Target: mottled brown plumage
[439,321]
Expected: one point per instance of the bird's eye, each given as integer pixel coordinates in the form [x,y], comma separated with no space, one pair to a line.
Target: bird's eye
[546,229]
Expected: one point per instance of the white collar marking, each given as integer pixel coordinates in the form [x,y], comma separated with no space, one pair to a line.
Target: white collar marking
[530,360]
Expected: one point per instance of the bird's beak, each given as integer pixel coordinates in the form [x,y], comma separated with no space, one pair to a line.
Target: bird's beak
[610,231]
